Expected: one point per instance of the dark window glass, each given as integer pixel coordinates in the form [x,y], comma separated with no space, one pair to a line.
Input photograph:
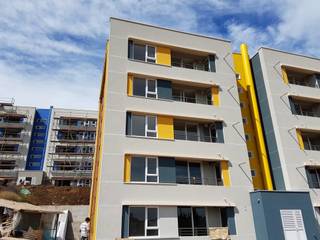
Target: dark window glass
[139,87]
[185,221]
[206,134]
[152,217]
[190,96]
[314,178]
[138,169]
[192,132]
[182,172]
[179,130]
[151,91]
[199,221]
[177,95]
[195,173]
[152,165]
[151,123]
[213,134]
[139,52]
[152,232]
[152,178]
[151,54]
[138,125]
[136,221]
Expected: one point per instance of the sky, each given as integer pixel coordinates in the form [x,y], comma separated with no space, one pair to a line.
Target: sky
[51,52]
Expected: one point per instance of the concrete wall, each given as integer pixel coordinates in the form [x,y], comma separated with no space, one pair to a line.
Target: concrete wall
[113,192]
[77,215]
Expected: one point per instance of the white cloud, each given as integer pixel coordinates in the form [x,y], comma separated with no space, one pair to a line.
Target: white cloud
[51,52]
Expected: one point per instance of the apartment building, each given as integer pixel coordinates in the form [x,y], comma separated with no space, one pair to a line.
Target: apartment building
[53,144]
[15,133]
[171,157]
[288,94]
[70,147]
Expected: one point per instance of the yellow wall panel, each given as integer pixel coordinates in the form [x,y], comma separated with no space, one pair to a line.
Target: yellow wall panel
[300,140]
[215,95]
[164,56]
[225,173]
[127,168]
[165,127]
[130,85]
[284,75]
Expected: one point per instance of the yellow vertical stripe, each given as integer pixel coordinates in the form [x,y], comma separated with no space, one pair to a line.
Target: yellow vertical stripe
[127,168]
[96,173]
[225,173]
[164,56]
[256,118]
[300,140]
[284,75]
[165,127]
[130,85]
[215,95]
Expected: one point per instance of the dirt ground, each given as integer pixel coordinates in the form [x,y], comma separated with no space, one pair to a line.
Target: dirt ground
[49,195]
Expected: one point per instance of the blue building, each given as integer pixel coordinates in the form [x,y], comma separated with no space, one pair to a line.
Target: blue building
[39,137]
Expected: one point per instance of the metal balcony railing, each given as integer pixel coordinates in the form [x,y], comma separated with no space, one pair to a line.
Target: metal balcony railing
[198,181]
[202,231]
[194,137]
[191,100]
[304,83]
[312,147]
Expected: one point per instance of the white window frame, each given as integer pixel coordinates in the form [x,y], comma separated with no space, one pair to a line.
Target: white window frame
[146,174]
[146,227]
[151,227]
[151,58]
[147,130]
[150,92]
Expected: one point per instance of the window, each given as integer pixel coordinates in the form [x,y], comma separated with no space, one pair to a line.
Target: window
[139,87]
[151,126]
[144,53]
[253,173]
[150,54]
[151,89]
[144,169]
[144,125]
[143,221]
[188,172]
[145,88]
[313,177]
[250,154]
[192,221]
[242,105]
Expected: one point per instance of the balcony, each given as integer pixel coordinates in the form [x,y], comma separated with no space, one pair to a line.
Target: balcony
[75,136]
[203,221]
[195,60]
[303,77]
[189,94]
[7,165]
[305,107]
[311,140]
[76,124]
[9,149]
[194,131]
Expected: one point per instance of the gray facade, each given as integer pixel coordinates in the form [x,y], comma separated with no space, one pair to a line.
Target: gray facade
[115,194]
[267,216]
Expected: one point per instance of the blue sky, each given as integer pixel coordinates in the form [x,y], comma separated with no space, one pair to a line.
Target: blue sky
[51,52]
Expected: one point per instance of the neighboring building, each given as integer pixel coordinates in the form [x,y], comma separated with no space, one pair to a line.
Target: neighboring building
[70,147]
[171,161]
[15,134]
[288,90]
[54,143]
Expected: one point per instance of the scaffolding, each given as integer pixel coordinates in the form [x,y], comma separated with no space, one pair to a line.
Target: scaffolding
[13,128]
[71,148]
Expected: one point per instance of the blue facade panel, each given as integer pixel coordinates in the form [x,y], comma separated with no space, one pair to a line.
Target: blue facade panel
[39,137]
[266,206]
